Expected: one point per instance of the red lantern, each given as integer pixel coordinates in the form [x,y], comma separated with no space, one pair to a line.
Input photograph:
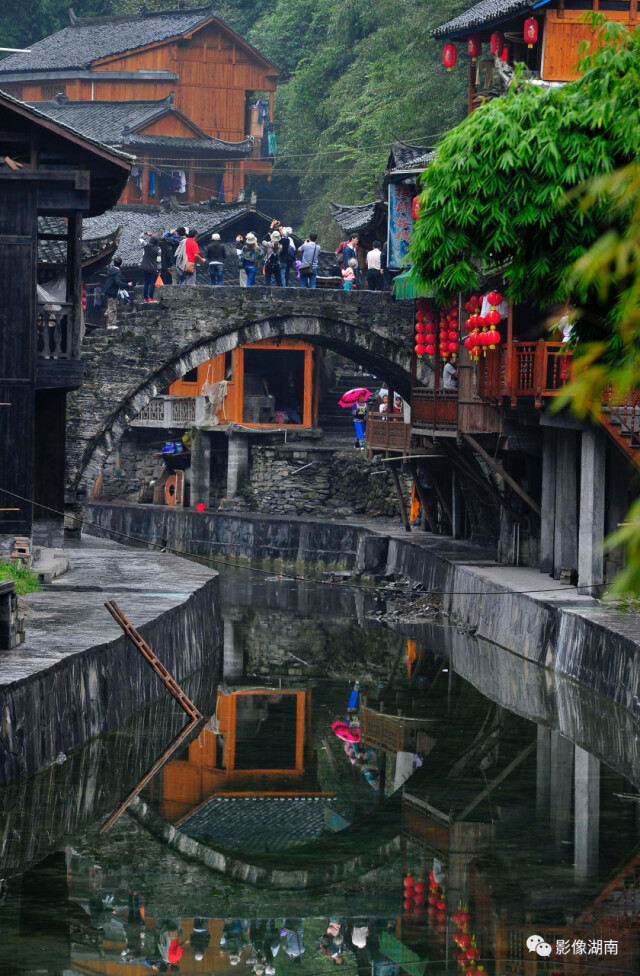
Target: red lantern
[431,351]
[420,315]
[494,298]
[408,904]
[415,203]
[420,351]
[493,338]
[505,54]
[474,47]
[497,43]
[449,56]
[531,31]
[421,326]
[493,317]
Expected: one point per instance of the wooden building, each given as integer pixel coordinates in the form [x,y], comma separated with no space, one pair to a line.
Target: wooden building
[222,89]
[544,36]
[47,170]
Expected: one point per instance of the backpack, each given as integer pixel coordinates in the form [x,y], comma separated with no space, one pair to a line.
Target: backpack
[181,256]
[339,252]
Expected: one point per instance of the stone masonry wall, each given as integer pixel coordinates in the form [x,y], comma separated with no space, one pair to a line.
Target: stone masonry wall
[318,481]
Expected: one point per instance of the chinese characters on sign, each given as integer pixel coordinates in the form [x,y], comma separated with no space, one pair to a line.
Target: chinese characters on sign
[400,224]
[575,947]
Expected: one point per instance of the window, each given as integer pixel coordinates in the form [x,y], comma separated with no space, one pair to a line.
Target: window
[191,376]
[14,90]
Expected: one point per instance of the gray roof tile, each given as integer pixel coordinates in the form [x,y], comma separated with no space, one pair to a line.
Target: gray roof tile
[106,121]
[403,156]
[352,219]
[78,45]
[483,14]
[257,824]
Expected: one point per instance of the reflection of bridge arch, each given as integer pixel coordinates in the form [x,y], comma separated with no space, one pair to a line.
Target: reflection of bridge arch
[156,345]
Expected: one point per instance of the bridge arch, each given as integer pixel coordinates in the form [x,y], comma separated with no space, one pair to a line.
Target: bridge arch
[157,344]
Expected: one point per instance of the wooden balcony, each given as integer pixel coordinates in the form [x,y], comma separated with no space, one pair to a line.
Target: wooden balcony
[175,411]
[58,363]
[434,410]
[392,733]
[388,434]
[526,370]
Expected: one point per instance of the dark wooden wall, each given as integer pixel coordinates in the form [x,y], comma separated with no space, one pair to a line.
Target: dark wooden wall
[18,259]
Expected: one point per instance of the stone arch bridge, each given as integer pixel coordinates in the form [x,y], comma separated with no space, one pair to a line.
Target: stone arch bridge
[156,344]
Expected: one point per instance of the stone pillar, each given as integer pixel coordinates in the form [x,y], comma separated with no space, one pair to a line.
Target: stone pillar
[560,789]
[548,503]
[543,774]
[591,532]
[233,658]
[200,467]
[587,814]
[237,464]
[565,543]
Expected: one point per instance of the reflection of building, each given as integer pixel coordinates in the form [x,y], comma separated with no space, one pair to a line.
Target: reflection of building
[259,743]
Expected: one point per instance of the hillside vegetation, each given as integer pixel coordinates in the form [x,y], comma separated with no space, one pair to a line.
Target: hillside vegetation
[353,76]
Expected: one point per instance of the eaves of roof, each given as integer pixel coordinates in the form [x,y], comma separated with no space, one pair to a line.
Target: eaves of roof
[486,14]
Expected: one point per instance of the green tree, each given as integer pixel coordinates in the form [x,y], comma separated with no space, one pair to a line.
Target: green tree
[546,185]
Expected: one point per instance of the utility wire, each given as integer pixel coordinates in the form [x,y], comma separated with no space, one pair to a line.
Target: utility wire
[282,575]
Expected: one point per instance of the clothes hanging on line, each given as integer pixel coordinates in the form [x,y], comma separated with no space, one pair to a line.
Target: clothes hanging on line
[264,109]
[178,181]
[152,182]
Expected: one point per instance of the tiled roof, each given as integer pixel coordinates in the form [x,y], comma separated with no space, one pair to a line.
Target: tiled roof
[55,252]
[257,824]
[353,219]
[106,121]
[85,41]
[183,143]
[90,140]
[135,222]
[484,13]
[90,39]
[404,156]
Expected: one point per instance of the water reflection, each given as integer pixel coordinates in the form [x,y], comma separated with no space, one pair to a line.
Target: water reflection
[406,821]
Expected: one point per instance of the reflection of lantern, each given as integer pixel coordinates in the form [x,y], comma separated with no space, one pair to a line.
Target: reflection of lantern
[408,882]
[472,953]
[449,56]
[442,905]
[463,940]
[419,887]
[531,31]
[474,47]
[497,43]
[442,916]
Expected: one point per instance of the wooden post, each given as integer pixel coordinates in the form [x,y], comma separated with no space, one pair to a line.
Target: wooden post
[510,381]
[498,468]
[74,277]
[401,504]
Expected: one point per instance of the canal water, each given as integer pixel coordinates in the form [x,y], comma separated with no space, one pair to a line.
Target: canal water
[404,798]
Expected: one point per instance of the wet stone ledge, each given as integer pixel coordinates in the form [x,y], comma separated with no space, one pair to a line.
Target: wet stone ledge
[77,676]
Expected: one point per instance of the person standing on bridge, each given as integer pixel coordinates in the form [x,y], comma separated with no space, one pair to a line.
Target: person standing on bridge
[359,413]
[310,254]
[216,255]
[374,268]
[192,254]
[251,254]
[149,265]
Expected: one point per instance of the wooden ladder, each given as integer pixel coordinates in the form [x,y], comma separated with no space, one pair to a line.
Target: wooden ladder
[167,680]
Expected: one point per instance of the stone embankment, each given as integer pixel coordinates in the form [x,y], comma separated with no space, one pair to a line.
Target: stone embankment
[76,675]
[517,608]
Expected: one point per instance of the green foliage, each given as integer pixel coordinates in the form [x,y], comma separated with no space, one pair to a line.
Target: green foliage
[26,581]
[503,187]
[30,20]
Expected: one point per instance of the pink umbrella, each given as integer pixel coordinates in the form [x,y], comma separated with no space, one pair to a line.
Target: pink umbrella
[352,396]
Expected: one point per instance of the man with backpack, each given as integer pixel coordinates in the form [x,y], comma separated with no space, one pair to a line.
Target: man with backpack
[309,256]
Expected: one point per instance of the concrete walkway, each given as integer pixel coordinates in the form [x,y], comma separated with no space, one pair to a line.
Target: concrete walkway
[68,616]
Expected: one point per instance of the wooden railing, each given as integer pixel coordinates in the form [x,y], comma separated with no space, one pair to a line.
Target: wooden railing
[434,409]
[535,370]
[55,332]
[388,433]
